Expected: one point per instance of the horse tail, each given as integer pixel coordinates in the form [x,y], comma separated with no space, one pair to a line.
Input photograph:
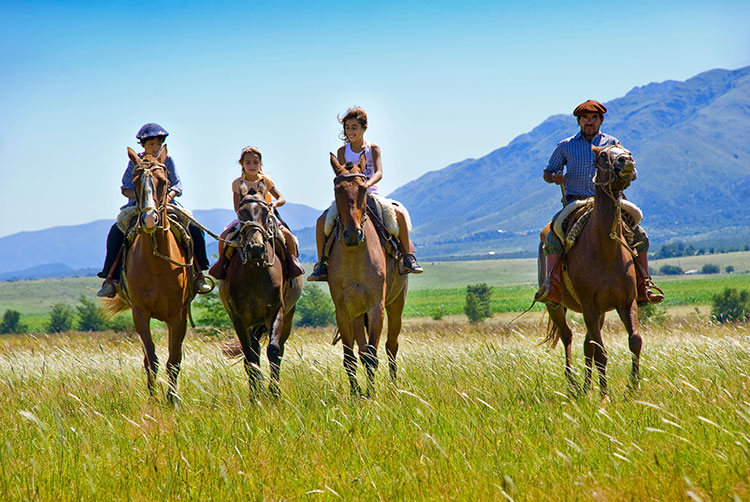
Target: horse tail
[113,306]
[553,334]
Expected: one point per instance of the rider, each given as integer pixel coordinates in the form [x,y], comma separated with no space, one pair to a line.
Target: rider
[251,161]
[355,125]
[151,136]
[575,155]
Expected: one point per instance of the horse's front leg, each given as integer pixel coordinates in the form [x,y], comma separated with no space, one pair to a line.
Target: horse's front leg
[177,327]
[369,352]
[275,351]
[594,350]
[350,361]
[557,316]
[141,321]
[629,317]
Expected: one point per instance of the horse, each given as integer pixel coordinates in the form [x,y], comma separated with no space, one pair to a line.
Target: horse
[599,273]
[363,280]
[256,293]
[156,275]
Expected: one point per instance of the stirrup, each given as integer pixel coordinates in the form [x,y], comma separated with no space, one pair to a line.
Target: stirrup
[409,265]
[108,289]
[204,284]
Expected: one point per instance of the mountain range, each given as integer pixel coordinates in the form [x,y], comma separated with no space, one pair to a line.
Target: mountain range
[690,140]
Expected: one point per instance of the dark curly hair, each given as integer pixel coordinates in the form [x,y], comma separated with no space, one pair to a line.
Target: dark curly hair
[355,112]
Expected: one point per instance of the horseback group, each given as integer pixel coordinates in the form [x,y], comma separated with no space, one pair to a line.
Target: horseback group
[592,255]
[156,255]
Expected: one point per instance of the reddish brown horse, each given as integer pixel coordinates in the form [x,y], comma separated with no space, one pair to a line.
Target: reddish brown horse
[156,281]
[363,279]
[600,273]
[256,293]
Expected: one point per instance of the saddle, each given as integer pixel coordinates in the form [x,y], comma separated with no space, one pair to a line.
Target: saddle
[569,223]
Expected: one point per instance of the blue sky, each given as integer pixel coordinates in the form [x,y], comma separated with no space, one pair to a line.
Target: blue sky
[441,81]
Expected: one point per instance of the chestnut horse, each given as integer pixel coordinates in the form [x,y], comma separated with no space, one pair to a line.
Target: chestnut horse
[600,273]
[156,275]
[363,280]
[256,293]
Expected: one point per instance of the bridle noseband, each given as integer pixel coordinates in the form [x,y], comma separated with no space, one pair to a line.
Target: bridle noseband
[147,170]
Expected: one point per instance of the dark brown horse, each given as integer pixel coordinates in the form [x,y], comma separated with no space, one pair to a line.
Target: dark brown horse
[156,274]
[364,281]
[600,273]
[257,295]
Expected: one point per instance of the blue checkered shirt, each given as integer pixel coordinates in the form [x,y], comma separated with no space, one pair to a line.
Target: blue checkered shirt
[575,154]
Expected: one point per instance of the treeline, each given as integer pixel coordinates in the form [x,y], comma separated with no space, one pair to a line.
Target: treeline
[678,249]
[86,316]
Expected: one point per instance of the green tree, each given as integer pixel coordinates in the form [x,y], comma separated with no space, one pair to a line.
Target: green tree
[670,270]
[314,308]
[90,316]
[710,268]
[214,313]
[731,306]
[61,318]
[478,298]
[12,322]
[729,269]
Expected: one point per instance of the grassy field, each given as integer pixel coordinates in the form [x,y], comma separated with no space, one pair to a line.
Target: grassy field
[479,413]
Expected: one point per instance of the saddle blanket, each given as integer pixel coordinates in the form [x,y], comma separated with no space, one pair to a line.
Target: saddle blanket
[628,207]
[387,207]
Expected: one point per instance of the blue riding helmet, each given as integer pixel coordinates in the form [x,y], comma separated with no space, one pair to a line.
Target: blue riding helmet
[150,130]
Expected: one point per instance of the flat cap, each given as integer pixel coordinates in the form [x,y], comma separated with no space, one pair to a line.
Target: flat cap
[590,106]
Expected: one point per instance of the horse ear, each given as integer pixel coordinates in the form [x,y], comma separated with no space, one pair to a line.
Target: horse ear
[263,189]
[362,162]
[596,149]
[133,157]
[337,168]
[162,154]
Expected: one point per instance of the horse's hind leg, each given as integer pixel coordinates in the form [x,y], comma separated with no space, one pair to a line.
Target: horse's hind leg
[141,321]
[629,317]
[594,350]
[350,360]
[557,316]
[177,328]
[395,309]
[275,350]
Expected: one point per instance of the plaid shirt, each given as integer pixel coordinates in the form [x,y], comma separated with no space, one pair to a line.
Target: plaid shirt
[575,153]
[174,179]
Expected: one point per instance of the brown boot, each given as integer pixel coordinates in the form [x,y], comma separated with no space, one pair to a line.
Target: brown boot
[293,266]
[219,269]
[549,291]
[644,283]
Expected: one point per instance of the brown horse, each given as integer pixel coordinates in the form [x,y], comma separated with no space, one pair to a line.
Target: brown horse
[600,273]
[156,274]
[363,280]
[256,293]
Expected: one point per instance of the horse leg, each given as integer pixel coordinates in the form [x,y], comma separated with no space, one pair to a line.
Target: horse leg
[275,350]
[141,321]
[177,327]
[629,317]
[350,361]
[557,316]
[594,349]
[395,309]
[369,356]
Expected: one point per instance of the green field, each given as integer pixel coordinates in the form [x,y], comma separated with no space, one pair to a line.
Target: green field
[479,413]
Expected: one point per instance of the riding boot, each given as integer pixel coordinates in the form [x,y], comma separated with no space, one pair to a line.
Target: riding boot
[644,283]
[293,266]
[409,265]
[115,239]
[108,289]
[219,269]
[549,292]
[199,245]
[320,271]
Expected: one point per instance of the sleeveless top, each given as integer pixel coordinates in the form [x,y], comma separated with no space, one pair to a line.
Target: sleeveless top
[241,186]
[353,157]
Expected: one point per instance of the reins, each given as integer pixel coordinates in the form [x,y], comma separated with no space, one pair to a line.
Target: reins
[269,234]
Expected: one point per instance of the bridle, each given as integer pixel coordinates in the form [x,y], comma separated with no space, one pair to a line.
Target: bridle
[613,175]
[267,232]
[348,177]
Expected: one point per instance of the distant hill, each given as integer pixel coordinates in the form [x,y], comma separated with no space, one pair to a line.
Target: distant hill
[79,249]
[689,139]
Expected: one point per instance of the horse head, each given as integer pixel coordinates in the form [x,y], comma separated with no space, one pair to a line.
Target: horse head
[615,167]
[151,186]
[351,198]
[257,228]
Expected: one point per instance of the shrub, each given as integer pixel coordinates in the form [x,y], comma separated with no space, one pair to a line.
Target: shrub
[477,305]
[652,314]
[12,322]
[731,306]
[710,268]
[90,316]
[61,318]
[214,313]
[729,269]
[670,270]
[438,313]
[122,323]
[314,308]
